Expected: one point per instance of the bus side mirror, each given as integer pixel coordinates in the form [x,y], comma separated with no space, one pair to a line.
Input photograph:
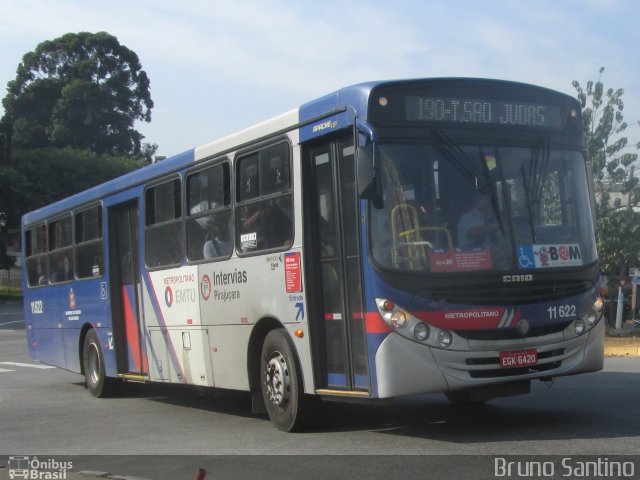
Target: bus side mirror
[367,166]
[365,171]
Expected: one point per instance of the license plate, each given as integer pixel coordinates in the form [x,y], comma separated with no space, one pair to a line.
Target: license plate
[519,358]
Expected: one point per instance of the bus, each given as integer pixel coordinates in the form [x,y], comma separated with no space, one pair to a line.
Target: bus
[389,239]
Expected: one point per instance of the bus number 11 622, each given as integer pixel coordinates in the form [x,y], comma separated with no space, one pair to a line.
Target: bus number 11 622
[562,311]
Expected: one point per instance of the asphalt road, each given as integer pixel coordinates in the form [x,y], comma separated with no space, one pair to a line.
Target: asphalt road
[11,317]
[46,411]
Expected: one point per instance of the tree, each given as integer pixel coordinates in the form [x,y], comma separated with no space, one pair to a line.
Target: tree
[620,245]
[613,168]
[81,90]
[38,177]
[603,123]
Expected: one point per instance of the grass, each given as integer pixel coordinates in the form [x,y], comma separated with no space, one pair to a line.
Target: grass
[10,292]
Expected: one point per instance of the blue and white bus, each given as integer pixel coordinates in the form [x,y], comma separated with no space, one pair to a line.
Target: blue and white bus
[389,239]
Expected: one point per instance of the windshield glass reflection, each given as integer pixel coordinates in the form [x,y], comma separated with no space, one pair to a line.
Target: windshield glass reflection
[450,208]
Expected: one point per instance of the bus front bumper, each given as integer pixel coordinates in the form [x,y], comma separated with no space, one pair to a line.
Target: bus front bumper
[405,367]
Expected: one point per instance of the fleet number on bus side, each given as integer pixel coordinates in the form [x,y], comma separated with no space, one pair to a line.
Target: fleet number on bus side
[37,307]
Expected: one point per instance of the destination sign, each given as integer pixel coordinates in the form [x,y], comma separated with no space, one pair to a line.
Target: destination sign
[481,111]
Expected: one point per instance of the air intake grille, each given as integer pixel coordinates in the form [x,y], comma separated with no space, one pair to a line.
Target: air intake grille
[506,293]
[511,333]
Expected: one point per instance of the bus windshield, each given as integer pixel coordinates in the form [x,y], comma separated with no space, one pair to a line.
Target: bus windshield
[449,208]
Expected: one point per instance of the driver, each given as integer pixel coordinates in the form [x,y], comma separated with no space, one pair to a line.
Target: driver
[476,226]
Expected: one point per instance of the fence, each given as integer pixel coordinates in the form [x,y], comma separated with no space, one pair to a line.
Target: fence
[11,281]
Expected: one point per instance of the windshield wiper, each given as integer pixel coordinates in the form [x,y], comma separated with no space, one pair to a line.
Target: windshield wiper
[543,163]
[461,161]
[527,196]
[533,182]
[492,192]
[478,176]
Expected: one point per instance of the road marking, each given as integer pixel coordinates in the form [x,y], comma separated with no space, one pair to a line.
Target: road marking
[16,364]
[9,323]
[4,370]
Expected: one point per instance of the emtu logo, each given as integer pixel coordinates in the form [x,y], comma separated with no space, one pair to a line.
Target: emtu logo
[168,296]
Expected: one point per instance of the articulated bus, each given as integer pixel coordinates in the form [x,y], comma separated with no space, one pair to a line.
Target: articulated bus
[390,239]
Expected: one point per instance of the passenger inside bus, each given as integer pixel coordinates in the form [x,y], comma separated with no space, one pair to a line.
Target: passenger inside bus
[215,244]
[64,270]
[37,273]
[270,221]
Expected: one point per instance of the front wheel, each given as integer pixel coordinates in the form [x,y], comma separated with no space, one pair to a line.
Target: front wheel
[281,382]
[96,380]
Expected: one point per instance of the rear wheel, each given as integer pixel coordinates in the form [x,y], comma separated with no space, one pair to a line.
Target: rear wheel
[96,380]
[281,382]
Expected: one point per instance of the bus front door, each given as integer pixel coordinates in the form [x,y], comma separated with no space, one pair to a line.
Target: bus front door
[124,266]
[333,253]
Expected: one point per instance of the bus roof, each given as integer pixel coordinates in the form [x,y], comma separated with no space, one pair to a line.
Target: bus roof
[352,99]
[355,95]
[109,188]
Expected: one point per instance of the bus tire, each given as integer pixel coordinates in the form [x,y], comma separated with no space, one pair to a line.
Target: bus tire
[281,383]
[95,378]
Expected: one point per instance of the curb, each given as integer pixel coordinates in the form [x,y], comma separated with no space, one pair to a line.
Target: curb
[622,351]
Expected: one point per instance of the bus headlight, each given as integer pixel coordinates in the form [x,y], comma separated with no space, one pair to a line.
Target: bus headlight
[579,327]
[399,319]
[598,305]
[421,332]
[411,327]
[592,317]
[444,338]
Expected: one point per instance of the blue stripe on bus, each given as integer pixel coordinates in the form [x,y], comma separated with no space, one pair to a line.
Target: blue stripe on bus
[340,380]
[336,380]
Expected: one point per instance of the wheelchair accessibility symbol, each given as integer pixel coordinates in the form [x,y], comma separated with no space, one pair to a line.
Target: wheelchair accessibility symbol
[526,258]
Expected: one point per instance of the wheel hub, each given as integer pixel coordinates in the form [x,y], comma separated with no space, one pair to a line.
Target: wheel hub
[277,380]
[93,364]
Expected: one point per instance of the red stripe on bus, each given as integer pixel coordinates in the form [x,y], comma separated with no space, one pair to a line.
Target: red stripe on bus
[131,326]
[375,324]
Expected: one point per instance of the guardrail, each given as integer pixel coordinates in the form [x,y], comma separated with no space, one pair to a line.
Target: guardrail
[11,281]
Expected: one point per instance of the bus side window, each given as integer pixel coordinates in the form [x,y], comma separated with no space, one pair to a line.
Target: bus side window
[209,214]
[36,253]
[264,218]
[60,250]
[163,232]
[278,231]
[89,243]
[61,266]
